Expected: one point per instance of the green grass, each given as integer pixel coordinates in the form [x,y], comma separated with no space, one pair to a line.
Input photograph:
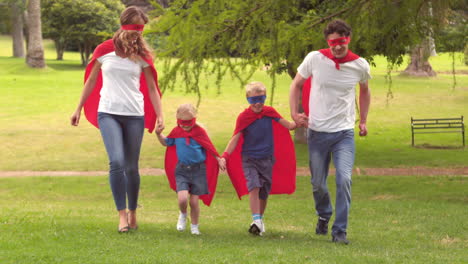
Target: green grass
[35,107]
[72,220]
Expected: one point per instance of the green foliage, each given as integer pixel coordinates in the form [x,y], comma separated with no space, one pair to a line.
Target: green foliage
[279,33]
[82,22]
[453,36]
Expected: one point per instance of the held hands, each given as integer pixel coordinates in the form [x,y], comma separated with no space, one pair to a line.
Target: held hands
[159,125]
[300,119]
[222,163]
[362,130]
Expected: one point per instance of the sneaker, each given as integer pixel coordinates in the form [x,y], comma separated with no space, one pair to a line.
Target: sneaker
[340,237]
[181,223]
[256,228]
[194,230]
[322,226]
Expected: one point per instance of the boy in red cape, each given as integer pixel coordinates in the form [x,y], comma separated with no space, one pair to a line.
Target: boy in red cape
[260,156]
[191,165]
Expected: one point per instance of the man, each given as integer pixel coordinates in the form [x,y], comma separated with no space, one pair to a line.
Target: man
[335,72]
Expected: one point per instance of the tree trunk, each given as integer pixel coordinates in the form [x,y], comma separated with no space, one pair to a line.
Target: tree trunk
[59,48]
[25,27]
[419,62]
[17,30]
[35,55]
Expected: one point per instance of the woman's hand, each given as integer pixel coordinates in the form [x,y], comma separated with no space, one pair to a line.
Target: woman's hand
[159,125]
[75,118]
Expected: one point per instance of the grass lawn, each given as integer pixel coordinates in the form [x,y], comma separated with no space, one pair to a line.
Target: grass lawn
[35,107]
[72,220]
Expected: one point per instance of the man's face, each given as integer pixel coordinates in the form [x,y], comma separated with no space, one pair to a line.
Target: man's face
[339,50]
[257,107]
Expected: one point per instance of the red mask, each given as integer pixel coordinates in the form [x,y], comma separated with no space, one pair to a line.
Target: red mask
[133,27]
[190,122]
[338,41]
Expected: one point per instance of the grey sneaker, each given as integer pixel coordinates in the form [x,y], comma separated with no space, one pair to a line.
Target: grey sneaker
[322,226]
[340,237]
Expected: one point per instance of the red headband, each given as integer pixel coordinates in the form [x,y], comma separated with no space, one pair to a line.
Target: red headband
[136,27]
[338,41]
[190,122]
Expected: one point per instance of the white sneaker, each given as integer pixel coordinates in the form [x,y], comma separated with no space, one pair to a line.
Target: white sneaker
[256,228]
[182,222]
[195,231]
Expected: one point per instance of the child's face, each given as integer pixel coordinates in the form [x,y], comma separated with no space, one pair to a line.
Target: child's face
[256,107]
[186,127]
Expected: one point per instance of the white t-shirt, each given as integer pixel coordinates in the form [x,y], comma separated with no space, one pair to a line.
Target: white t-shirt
[120,92]
[332,97]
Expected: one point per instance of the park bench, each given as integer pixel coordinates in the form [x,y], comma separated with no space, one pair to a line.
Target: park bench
[437,125]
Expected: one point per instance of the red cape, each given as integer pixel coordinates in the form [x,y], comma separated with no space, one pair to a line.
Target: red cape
[308,84]
[284,169]
[92,103]
[212,169]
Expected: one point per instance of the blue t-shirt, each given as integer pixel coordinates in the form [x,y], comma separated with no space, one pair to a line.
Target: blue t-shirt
[258,138]
[187,154]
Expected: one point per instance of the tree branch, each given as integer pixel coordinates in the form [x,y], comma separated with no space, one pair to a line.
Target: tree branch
[320,21]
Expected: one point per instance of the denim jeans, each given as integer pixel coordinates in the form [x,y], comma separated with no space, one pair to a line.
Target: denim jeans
[323,147]
[122,136]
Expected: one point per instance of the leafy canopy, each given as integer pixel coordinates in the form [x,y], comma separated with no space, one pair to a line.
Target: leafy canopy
[238,37]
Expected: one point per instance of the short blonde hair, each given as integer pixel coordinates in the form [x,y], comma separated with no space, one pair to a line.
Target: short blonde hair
[255,87]
[186,112]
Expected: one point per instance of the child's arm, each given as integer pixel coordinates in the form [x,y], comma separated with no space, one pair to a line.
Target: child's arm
[229,149]
[287,124]
[161,137]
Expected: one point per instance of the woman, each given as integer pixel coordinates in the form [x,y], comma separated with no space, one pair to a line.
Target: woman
[121,97]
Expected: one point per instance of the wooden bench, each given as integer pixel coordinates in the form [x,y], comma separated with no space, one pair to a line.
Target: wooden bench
[437,125]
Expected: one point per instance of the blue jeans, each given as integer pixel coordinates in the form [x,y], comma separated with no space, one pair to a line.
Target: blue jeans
[323,147]
[122,136]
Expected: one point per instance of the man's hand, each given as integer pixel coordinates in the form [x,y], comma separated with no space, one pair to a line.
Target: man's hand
[362,130]
[300,119]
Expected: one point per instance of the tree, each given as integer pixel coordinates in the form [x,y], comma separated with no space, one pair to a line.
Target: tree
[453,36]
[84,23]
[238,37]
[17,24]
[35,53]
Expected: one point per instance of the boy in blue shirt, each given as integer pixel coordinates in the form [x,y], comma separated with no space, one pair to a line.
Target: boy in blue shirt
[261,149]
[191,165]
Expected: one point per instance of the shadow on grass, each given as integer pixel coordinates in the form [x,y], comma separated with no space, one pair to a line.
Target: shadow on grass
[65,65]
[429,146]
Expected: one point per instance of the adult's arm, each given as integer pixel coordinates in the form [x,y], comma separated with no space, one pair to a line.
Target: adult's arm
[364,103]
[87,89]
[154,96]
[294,94]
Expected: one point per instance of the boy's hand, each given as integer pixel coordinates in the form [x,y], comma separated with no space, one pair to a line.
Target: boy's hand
[293,125]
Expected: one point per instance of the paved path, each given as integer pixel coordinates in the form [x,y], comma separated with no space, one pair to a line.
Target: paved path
[419,171]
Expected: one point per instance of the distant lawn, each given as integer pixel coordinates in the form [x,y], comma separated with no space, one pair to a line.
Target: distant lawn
[73,220]
[35,107]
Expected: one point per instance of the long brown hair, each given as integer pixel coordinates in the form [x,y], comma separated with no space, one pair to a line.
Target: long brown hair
[130,43]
